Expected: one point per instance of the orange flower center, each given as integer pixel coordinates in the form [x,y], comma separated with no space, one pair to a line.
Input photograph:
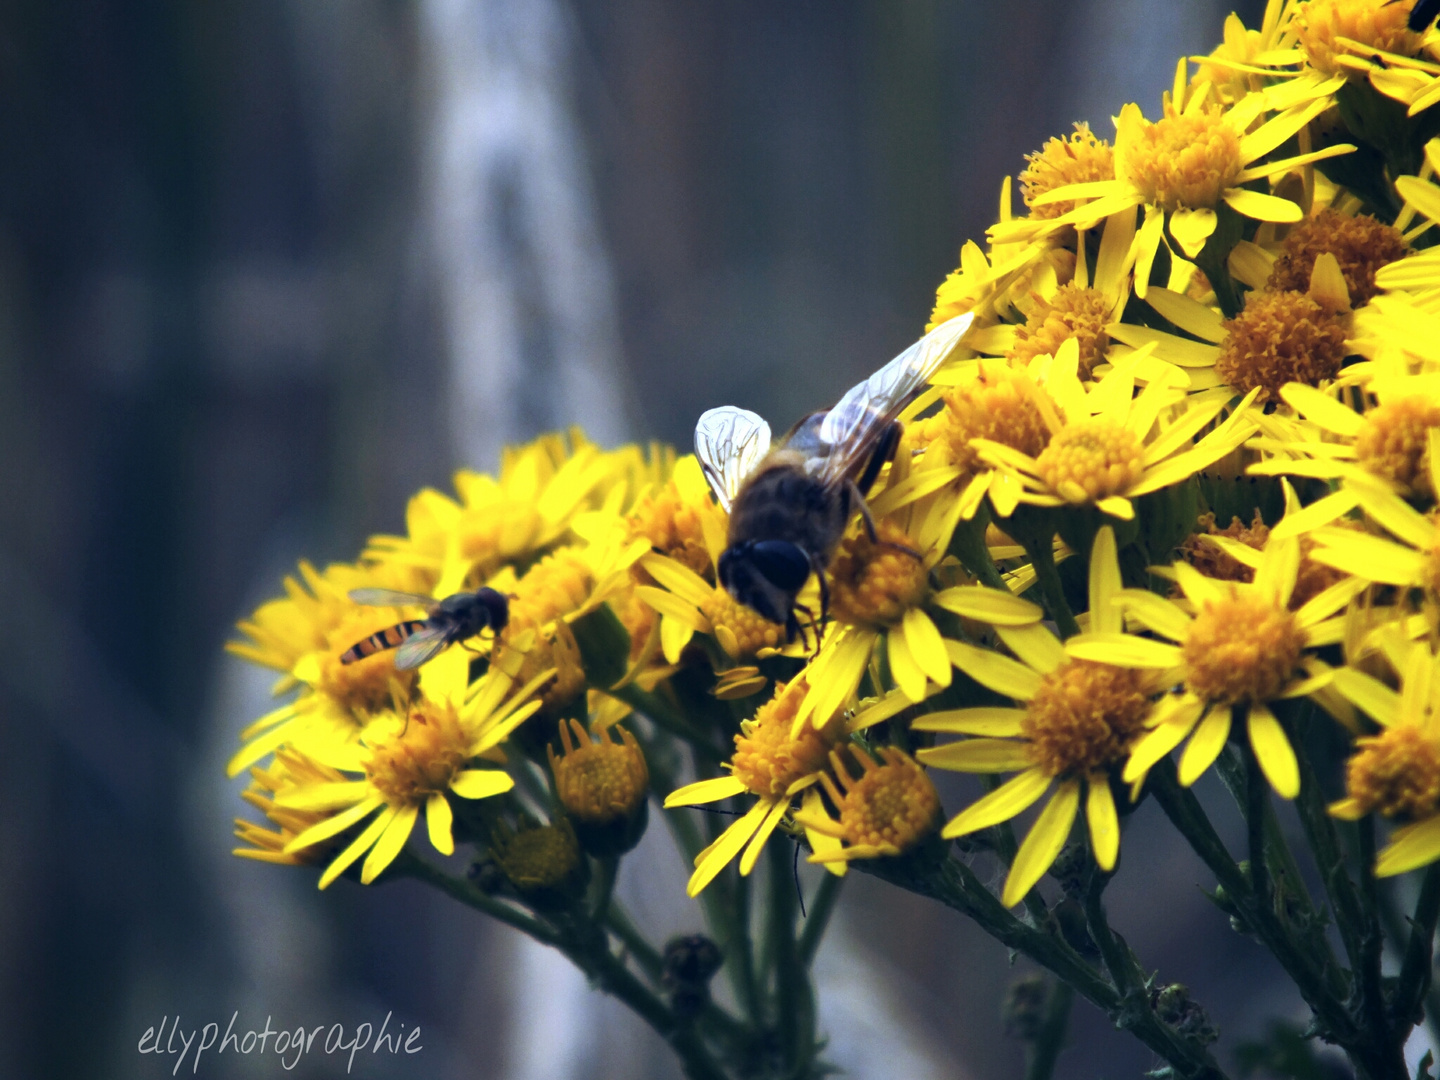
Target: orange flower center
[766,759]
[875,583]
[1184,161]
[1241,648]
[892,806]
[1084,717]
[1392,441]
[1092,459]
[1396,772]
[421,757]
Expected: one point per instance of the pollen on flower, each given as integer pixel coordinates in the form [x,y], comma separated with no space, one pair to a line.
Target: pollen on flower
[673,528]
[767,760]
[874,582]
[1375,26]
[1361,245]
[891,806]
[1071,312]
[1184,161]
[1092,459]
[1311,579]
[1077,158]
[599,782]
[421,756]
[748,632]
[1396,772]
[1391,441]
[1240,649]
[998,405]
[1280,337]
[1084,717]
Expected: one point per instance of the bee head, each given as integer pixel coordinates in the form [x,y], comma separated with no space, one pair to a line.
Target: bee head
[765,576]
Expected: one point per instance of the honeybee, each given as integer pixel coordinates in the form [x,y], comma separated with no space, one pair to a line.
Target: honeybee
[789,504]
[452,619]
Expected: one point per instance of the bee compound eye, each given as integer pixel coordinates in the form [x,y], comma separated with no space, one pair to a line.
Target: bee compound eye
[784,565]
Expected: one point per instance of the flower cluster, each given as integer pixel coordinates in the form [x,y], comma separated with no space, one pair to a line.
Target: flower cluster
[1169,505]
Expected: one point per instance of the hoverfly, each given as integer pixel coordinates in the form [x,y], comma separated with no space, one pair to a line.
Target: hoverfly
[452,619]
[789,504]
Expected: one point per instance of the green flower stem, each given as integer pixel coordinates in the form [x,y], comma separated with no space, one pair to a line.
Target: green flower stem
[967,544]
[1119,961]
[605,886]
[1042,558]
[618,922]
[734,917]
[955,885]
[1415,981]
[668,719]
[409,865]
[1316,982]
[1006,847]
[818,919]
[794,996]
[1324,842]
[1050,1040]
[592,955]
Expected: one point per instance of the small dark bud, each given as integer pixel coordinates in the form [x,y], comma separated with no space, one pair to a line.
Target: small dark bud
[1174,1006]
[486,876]
[689,964]
[1023,1008]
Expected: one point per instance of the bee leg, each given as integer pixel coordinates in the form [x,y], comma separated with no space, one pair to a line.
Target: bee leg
[866,518]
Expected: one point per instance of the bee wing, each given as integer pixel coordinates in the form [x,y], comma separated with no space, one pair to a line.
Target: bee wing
[851,429]
[391,598]
[421,646]
[729,443]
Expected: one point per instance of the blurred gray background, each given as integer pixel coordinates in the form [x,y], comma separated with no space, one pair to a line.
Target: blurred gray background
[268,268]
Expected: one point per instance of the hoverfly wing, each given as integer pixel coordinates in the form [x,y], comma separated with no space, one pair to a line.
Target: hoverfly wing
[421,646]
[851,429]
[391,598]
[729,443]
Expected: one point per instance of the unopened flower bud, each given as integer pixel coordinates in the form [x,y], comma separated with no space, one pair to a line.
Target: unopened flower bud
[603,786]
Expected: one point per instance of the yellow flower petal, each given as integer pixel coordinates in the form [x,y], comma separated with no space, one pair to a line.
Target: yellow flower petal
[907,673]
[323,830]
[997,672]
[981,720]
[1009,799]
[1252,204]
[481,783]
[1274,752]
[1409,848]
[1189,315]
[989,605]
[1044,841]
[358,846]
[1191,228]
[757,842]
[1125,650]
[926,645]
[1103,821]
[719,854]
[1373,697]
[1179,720]
[1154,613]
[705,791]
[978,755]
[438,822]
[1205,745]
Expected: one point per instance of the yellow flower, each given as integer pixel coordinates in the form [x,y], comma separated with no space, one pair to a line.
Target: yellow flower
[1181,167]
[304,635]
[1078,159]
[1396,772]
[1411,561]
[887,810]
[1338,36]
[290,769]
[1077,723]
[414,758]
[680,584]
[1241,649]
[598,781]
[543,486]
[774,763]
[1114,445]
[879,590]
